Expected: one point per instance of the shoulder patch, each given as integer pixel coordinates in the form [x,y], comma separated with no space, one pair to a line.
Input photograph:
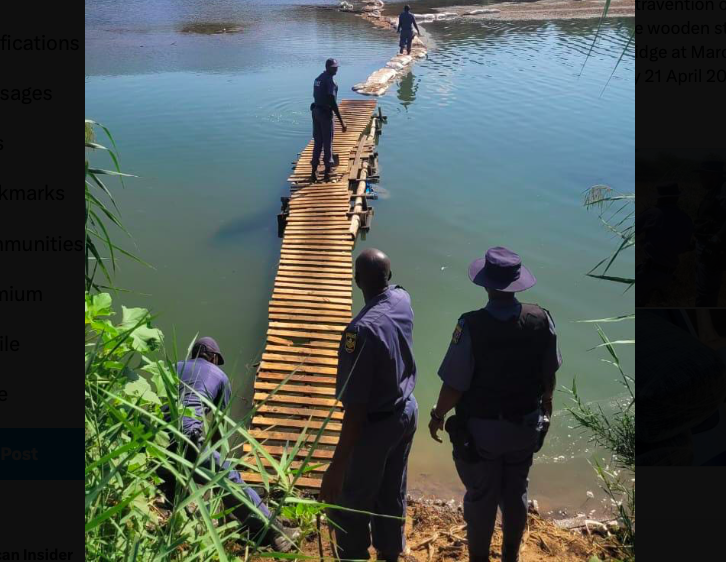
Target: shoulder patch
[457,331]
[350,341]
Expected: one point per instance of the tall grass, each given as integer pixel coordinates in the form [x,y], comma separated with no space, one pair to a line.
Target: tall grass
[133,413]
[615,431]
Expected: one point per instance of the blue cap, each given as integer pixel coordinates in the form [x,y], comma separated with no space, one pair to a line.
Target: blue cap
[210,346]
[501,269]
[331,63]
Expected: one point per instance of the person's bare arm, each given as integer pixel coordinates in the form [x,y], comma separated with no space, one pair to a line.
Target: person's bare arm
[353,420]
[448,398]
[549,380]
[334,105]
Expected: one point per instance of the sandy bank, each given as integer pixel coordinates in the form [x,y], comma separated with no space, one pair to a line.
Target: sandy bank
[541,10]
[435,531]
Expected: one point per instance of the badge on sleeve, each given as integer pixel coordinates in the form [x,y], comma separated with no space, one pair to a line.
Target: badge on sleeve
[350,339]
[457,331]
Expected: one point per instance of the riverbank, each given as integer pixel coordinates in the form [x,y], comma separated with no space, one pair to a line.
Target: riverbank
[435,531]
[533,11]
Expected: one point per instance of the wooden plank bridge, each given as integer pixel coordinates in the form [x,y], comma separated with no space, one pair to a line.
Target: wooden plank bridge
[312,295]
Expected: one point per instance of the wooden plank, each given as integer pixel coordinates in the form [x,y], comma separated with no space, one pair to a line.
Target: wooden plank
[342,266]
[323,380]
[297,367]
[331,426]
[334,257]
[295,317]
[287,399]
[283,341]
[302,481]
[316,272]
[302,334]
[308,327]
[298,358]
[302,413]
[343,315]
[310,304]
[291,437]
[305,351]
[327,290]
[310,295]
[314,466]
[319,453]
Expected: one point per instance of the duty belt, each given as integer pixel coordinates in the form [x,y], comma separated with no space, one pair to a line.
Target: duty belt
[380,416]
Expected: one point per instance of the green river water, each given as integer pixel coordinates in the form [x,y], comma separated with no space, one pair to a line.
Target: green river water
[490,141]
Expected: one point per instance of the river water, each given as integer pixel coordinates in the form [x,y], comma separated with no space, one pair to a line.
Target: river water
[490,141]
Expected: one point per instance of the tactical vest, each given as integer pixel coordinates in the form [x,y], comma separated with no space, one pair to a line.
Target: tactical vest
[507,363]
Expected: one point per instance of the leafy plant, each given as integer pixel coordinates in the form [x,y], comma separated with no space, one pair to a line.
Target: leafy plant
[101,211]
[615,431]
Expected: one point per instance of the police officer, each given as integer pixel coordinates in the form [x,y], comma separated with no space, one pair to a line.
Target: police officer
[325,93]
[406,23]
[667,232]
[499,374]
[201,378]
[710,234]
[375,382]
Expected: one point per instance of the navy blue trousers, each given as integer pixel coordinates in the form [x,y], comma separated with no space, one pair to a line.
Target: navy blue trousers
[322,137]
[498,479]
[375,481]
[406,40]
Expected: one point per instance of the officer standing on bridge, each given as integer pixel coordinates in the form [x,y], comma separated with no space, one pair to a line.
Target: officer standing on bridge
[499,374]
[711,234]
[376,378]
[325,93]
[201,382]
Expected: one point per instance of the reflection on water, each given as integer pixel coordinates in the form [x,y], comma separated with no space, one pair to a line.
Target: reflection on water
[491,140]
[407,87]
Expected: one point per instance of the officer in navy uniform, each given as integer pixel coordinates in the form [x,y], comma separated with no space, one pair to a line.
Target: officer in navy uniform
[667,232]
[711,234]
[325,93]
[406,23]
[201,378]
[499,374]
[375,382]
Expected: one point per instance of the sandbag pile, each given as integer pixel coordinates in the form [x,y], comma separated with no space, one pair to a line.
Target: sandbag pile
[378,83]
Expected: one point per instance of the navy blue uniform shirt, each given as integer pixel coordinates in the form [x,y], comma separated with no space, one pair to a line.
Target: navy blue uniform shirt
[207,380]
[376,354]
[457,368]
[324,87]
[405,21]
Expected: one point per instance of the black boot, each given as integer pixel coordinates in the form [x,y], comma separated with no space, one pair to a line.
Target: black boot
[510,554]
[326,177]
[313,178]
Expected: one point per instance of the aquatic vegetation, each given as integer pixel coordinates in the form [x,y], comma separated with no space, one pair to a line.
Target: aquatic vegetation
[615,431]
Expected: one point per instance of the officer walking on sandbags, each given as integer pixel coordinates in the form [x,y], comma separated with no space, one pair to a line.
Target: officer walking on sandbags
[499,374]
[406,23]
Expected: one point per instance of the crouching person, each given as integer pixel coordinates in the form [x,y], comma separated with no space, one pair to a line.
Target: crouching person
[201,378]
